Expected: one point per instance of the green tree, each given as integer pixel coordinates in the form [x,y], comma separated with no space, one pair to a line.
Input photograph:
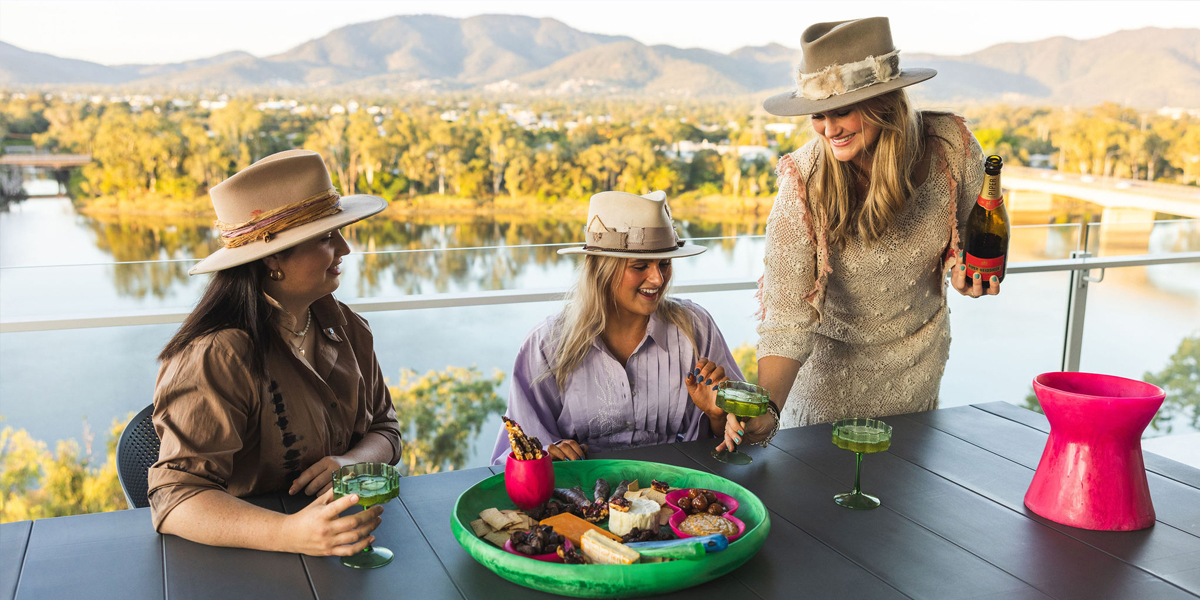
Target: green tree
[1180,379]
[35,484]
[440,412]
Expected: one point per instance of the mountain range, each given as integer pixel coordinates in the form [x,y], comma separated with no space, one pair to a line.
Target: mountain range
[1148,68]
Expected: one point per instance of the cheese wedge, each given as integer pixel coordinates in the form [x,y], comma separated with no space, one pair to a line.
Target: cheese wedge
[573,528]
[642,514]
[600,550]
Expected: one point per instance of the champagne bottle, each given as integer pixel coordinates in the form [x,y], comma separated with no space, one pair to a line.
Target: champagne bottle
[987,228]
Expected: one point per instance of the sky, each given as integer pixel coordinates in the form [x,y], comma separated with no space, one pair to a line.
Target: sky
[160,31]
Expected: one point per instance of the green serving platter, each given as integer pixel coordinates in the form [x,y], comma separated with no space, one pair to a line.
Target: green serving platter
[608,581]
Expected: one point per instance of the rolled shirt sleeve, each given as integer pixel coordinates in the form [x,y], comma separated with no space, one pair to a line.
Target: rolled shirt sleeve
[202,406]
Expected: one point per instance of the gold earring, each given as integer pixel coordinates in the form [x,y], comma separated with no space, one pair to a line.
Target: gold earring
[275,274]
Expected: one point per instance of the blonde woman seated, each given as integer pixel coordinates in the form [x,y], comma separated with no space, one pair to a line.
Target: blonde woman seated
[271,384]
[623,365]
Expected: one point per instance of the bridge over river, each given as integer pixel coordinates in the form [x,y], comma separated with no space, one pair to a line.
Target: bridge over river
[45,161]
[1132,196]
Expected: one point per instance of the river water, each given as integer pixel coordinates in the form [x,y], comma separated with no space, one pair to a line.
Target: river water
[57,263]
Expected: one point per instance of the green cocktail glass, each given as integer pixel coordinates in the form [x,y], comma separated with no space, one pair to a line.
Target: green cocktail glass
[742,400]
[860,436]
[375,483]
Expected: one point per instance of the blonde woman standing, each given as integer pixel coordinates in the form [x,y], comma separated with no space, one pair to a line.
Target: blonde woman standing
[867,220]
[623,365]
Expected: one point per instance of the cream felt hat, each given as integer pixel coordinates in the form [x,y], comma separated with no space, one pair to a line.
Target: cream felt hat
[632,226]
[278,202]
[844,62]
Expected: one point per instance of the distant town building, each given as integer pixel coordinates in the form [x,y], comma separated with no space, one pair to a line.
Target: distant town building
[781,128]
[1178,112]
[686,150]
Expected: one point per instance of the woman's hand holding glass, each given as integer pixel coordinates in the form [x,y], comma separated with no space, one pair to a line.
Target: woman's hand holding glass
[972,287]
[319,530]
[752,430]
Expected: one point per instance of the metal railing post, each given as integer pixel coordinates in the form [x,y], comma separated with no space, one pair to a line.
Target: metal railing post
[1076,311]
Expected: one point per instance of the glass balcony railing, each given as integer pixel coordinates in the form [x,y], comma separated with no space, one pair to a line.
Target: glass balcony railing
[79,341]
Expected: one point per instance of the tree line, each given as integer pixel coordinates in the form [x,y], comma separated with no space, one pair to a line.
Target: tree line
[402,149]
[547,150]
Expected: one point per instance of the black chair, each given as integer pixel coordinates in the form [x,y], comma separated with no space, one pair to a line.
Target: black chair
[136,452]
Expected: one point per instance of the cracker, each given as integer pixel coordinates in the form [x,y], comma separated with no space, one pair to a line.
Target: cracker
[481,528]
[664,515]
[497,538]
[494,518]
[655,495]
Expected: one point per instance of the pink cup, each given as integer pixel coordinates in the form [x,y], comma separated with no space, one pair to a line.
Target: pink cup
[529,483]
[1091,474]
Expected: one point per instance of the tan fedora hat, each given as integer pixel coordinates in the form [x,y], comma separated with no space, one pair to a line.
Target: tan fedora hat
[844,62]
[278,202]
[632,226]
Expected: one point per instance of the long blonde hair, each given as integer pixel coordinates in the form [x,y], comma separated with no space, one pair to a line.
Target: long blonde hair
[833,195]
[585,316]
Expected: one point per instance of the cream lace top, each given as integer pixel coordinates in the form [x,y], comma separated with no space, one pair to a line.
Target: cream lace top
[868,324]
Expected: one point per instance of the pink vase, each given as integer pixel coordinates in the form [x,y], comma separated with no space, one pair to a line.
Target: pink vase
[1091,474]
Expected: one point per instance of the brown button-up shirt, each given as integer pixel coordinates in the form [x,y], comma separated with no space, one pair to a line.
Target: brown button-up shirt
[223,428]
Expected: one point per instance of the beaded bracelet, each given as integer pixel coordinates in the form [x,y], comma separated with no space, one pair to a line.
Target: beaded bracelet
[774,410]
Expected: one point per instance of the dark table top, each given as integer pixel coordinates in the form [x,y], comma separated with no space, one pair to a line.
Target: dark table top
[952,525]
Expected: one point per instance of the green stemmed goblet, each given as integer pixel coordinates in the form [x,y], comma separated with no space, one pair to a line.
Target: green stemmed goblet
[742,400]
[375,483]
[860,436]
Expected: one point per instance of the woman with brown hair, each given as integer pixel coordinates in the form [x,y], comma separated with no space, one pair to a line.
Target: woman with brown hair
[271,384]
[865,224]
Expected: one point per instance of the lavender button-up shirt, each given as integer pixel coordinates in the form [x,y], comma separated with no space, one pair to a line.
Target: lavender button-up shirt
[608,405]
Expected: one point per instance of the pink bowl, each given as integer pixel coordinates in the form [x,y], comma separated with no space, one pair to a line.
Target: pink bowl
[1091,474]
[731,505]
[551,557]
[679,516]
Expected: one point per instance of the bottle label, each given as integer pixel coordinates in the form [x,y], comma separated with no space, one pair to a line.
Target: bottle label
[986,267]
[990,203]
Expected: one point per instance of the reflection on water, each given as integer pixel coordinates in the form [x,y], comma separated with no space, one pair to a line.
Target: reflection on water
[394,256]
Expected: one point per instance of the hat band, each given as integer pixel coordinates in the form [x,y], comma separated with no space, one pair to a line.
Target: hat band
[266,225]
[635,239]
[841,79]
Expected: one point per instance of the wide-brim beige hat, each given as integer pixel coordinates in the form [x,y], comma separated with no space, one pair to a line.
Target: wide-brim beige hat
[276,203]
[632,226]
[844,62]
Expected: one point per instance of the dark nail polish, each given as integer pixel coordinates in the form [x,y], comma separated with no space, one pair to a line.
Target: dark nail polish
[716,387]
[696,372]
[708,382]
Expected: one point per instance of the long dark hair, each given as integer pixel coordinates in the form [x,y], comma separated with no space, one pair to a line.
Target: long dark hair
[233,300]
